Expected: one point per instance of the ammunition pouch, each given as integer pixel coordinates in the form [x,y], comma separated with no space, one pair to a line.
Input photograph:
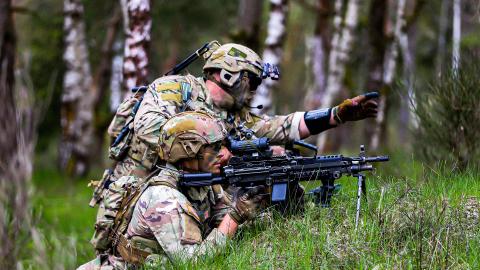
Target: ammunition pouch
[109,209]
[119,151]
[136,249]
[100,186]
[100,239]
[142,153]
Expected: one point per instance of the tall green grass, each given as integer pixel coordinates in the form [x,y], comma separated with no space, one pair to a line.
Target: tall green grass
[430,224]
[415,218]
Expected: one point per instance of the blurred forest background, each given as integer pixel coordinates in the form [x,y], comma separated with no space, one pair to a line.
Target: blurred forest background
[67,65]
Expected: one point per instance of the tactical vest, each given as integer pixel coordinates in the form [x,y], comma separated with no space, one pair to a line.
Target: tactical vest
[121,198]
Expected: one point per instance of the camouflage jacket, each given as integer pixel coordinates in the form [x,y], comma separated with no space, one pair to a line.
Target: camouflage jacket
[161,222]
[177,220]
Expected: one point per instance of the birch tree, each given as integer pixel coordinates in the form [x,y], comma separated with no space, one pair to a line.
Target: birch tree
[273,52]
[82,92]
[389,68]
[456,34]
[138,24]
[116,93]
[407,46]
[77,97]
[341,47]
[317,55]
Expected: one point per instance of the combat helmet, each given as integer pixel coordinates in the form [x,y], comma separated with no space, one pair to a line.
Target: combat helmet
[183,135]
[231,59]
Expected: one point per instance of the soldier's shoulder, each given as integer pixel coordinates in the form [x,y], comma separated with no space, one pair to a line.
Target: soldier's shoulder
[168,83]
[249,117]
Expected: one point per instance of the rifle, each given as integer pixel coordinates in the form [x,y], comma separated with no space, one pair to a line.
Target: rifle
[276,172]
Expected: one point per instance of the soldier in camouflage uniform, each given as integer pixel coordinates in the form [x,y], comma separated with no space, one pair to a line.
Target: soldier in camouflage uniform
[168,222]
[232,73]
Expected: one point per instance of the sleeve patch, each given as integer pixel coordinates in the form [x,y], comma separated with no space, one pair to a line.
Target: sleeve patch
[171,97]
[167,86]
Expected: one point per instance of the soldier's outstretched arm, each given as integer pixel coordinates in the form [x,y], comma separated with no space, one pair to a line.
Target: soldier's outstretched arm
[299,125]
[354,109]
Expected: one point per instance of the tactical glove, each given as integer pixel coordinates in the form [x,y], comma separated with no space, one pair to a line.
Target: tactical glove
[247,203]
[357,108]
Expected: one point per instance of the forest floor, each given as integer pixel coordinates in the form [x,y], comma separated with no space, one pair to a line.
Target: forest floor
[415,218]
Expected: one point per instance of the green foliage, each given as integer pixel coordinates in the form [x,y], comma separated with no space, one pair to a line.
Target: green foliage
[405,225]
[449,117]
[62,223]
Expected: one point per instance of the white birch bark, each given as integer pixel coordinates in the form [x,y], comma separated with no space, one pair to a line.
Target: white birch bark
[342,41]
[117,77]
[77,98]
[456,34]
[276,32]
[407,107]
[390,64]
[138,24]
[315,59]
[341,48]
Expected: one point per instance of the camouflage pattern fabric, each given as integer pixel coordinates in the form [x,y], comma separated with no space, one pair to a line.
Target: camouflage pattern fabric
[168,223]
[163,99]
[175,220]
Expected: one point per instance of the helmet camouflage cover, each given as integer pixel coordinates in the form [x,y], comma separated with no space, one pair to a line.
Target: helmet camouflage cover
[184,134]
[235,58]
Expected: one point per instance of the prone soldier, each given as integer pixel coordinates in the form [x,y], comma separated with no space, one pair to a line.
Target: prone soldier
[162,221]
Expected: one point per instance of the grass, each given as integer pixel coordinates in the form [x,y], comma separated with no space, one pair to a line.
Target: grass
[415,218]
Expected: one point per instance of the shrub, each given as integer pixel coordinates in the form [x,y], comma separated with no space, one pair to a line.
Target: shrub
[448,114]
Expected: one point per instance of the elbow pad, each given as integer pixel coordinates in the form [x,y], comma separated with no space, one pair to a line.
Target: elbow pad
[318,120]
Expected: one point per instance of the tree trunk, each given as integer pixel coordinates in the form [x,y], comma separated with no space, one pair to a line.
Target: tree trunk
[101,83]
[77,96]
[340,50]
[378,26]
[16,148]
[442,33]
[407,45]
[276,33]
[116,93]
[390,64]
[248,21]
[317,54]
[456,34]
[138,24]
